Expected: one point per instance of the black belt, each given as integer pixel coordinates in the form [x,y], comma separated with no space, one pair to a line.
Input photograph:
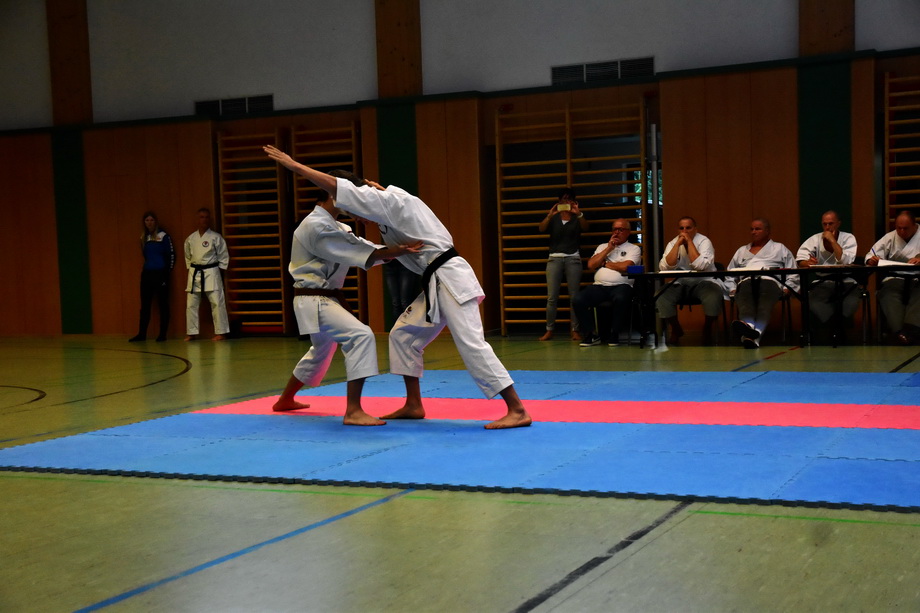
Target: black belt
[327,293]
[426,276]
[200,268]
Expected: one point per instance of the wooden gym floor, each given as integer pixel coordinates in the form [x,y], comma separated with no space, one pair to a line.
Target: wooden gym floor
[91,542]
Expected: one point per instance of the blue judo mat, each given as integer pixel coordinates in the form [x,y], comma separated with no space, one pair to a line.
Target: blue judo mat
[812,466]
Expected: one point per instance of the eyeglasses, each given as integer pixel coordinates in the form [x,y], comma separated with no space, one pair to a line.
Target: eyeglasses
[621,229]
[685,228]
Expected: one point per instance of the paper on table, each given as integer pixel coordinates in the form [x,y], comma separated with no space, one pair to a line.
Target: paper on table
[890,263]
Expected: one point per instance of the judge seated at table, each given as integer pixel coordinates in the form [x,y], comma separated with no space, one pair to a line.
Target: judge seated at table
[756,296]
[899,295]
[689,251]
[830,247]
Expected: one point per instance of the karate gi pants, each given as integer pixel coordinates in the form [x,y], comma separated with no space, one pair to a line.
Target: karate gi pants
[218,311]
[336,327]
[824,296]
[708,293]
[891,299]
[411,334]
[756,306]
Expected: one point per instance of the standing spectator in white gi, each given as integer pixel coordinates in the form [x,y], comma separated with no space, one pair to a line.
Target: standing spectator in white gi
[451,291]
[322,252]
[206,256]
[830,247]
[899,296]
[609,264]
[690,251]
[755,297]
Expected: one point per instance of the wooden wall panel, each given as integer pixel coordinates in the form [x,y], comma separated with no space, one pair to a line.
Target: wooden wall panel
[399,48]
[69,61]
[449,171]
[774,153]
[164,168]
[728,152]
[826,26]
[28,233]
[683,155]
[370,168]
[863,224]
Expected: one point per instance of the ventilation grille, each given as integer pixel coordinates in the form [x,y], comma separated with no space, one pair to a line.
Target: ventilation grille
[613,70]
[236,107]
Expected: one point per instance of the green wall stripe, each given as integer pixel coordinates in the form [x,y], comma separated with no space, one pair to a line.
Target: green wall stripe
[825,152]
[396,146]
[72,232]
[397,153]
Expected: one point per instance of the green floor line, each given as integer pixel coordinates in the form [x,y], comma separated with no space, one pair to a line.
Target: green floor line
[808,518]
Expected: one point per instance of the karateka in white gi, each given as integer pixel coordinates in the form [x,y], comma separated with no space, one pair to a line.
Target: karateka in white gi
[899,295]
[690,251]
[452,293]
[830,247]
[206,256]
[322,252]
[755,297]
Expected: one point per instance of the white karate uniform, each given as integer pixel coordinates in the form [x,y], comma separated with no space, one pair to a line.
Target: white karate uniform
[322,252]
[708,291]
[454,291]
[771,255]
[890,296]
[206,248]
[822,294]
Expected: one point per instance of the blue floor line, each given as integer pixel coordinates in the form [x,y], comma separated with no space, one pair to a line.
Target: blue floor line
[236,554]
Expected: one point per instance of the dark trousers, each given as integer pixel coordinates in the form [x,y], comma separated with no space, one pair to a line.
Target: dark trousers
[620,298]
[402,284]
[154,284]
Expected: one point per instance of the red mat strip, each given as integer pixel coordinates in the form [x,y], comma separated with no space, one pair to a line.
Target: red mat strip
[591,411]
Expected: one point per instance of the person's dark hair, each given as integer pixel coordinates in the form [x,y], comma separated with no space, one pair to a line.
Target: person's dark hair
[567,191]
[156,222]
[322,197]
[764,221]
[203,209]
[348,175]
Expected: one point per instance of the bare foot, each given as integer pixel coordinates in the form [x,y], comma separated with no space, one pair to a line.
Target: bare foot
[288,405]
[511,420]
[190,337]
[407,412]
[360,418]
[548,335]
[219,337]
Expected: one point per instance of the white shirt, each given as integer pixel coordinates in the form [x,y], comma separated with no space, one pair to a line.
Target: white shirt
[626,252]
[893,247]
[814,247]
[404,219]
[324,249]
[206,248]
[704,263]
[771,255]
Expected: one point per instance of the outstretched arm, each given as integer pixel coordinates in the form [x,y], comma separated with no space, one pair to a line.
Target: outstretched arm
[388,253]
[316,177]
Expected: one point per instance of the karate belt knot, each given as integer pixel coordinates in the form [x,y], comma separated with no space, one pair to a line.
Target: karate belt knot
[426,276]
[338,294]
[199,270]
